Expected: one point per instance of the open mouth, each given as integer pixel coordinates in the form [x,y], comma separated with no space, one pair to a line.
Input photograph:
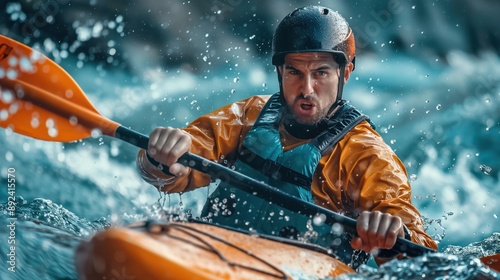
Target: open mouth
[306,105]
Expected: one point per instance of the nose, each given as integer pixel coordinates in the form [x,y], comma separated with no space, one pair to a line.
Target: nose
[308,85]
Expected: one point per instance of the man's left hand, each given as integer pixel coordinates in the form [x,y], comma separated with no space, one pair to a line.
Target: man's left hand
[377,230]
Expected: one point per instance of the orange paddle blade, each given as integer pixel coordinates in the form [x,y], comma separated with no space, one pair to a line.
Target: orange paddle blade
[41,100]
[492,261]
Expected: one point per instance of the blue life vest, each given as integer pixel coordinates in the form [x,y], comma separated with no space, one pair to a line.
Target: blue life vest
[261,157]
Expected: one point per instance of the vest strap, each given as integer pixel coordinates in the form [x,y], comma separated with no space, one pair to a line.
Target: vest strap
[338,126]
[272,169]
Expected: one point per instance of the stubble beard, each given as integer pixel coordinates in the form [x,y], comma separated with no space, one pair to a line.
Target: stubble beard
[310,120]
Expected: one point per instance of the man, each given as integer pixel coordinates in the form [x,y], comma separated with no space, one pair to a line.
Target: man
[304,140]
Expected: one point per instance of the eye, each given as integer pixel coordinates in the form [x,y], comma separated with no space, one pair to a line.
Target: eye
[322,73]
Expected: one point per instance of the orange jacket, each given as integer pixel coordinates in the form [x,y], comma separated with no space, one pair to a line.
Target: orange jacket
[360,173]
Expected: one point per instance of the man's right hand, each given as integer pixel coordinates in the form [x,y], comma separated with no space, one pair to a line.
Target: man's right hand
[166,145]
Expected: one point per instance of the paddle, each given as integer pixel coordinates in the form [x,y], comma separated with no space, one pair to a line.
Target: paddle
[492,261]
[41,100]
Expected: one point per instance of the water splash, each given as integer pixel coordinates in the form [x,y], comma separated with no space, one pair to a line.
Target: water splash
[431,266]
[45,212]
[46,236]
[486,247]
[454,262]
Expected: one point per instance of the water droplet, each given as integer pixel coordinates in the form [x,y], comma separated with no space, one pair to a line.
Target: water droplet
[95,133]
[50,123]
[68,94]
[52,131]
[35,122]
[337,229]
[413,7]
[236,79]
[6,96]
[73,120]
[438,107]
[9,156]
[61,157]
[4,115]
[413,177]
[319,220]
[115,150]
[412,110]
[11,74]
[485,169]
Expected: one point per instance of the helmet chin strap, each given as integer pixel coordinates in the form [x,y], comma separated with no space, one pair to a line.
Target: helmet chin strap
[282,95]
[340,88]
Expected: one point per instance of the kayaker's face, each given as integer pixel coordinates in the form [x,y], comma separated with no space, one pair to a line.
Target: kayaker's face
[310,83]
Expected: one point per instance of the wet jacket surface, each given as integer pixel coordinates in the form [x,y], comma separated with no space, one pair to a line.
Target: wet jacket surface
[361,172]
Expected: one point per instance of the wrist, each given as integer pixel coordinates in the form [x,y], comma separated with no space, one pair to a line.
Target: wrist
[153,164]
[151,172]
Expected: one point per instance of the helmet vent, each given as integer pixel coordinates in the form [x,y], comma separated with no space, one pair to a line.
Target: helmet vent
[325,11]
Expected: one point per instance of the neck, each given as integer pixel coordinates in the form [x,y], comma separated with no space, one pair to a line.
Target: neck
[304,131]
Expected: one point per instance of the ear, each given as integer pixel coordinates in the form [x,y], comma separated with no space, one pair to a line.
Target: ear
[347,72]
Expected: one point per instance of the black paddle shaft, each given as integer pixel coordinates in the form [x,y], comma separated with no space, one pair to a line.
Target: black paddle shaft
[266,192]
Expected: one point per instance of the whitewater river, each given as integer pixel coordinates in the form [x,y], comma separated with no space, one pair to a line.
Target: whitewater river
[440,113]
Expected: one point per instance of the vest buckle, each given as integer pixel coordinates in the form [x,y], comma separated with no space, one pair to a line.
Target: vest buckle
[271,169]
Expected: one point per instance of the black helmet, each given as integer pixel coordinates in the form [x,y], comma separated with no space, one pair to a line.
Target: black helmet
[314,29]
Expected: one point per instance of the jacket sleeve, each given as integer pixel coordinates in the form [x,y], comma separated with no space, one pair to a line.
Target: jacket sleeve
[215,136]
[377,181]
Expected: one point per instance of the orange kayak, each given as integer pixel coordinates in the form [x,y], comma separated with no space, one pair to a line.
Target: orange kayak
[184,250]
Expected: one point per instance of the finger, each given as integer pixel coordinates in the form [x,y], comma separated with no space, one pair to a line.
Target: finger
[385,222]
[158,152]
[178,169]
[182,144]
[153,140]
[362,224]
[158,145]
[374,223]
[357,243]
[165,155]
[177,144]
[394,230]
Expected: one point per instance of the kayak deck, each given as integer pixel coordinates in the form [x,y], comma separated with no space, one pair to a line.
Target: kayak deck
[197,251]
